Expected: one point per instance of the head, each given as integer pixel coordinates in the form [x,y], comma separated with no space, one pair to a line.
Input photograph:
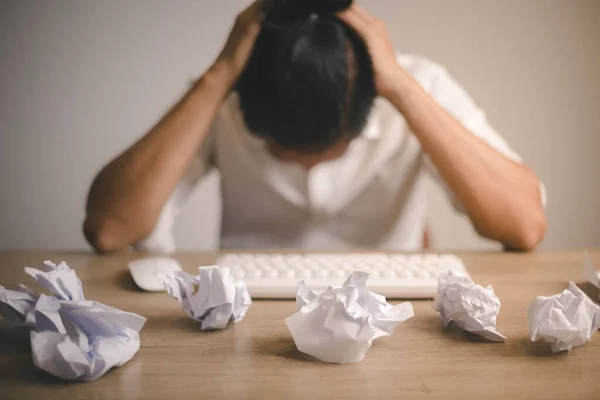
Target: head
[309,83]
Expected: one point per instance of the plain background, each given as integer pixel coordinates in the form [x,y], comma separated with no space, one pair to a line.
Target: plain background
[81,80]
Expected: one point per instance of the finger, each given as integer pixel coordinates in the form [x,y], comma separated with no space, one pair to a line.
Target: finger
[258,9]
[255,6]
[354,20]
[363,14]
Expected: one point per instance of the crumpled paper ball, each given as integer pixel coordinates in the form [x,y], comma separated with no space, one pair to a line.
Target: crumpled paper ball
[338,325]
[211,297]
[472,307]
[71,338]
[565,320]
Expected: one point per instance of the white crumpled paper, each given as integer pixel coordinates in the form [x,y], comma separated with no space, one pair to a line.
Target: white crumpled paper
[211,297]
[472,307]
[565,320]
[71,338]
[339,324]
[590,273]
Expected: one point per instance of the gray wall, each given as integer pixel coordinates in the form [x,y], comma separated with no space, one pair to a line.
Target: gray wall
[81,80]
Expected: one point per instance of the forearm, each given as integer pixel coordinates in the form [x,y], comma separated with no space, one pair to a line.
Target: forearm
[501,197]
[127,196]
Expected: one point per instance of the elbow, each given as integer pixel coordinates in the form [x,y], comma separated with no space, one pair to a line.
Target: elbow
[530,232]
[104,235]
[533,234]
[522,232]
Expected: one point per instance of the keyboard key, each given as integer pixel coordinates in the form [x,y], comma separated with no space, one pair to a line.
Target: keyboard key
[322,274]
[288,274]
[388,274]
[256,273]
[374,274]
[405,274]
[340,274]
[421,274]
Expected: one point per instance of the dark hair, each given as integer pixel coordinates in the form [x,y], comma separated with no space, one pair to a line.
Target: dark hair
[309,81]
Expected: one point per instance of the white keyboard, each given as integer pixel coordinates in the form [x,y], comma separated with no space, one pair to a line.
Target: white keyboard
[394,276]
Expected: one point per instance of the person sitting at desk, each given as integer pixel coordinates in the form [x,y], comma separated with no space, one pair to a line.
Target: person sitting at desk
[322,135]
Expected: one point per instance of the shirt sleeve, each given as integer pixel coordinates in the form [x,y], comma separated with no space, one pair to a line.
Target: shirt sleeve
[454,98]
[162,238]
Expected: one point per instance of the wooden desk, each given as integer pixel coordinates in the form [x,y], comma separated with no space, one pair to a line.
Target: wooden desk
[257,358]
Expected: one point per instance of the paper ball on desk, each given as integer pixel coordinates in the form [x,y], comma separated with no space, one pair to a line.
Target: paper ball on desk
[338,325]
[565,320]
[472,307]
[71,338]
[83,339]
[211,297]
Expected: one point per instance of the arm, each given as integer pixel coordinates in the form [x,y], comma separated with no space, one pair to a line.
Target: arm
[127,196]
[501,197]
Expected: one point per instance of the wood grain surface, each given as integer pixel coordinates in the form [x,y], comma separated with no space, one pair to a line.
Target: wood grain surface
[257,359]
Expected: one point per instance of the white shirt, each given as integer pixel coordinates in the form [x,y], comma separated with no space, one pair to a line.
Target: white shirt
[370,197]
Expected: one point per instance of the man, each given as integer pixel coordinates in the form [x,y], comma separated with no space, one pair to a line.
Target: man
[309,157]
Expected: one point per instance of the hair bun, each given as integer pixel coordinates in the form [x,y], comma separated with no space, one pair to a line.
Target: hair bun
[301,8]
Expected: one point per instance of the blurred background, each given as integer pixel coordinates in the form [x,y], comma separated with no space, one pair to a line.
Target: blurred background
[81,80]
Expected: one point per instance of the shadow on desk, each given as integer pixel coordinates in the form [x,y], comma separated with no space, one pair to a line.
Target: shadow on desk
[16,347]
[513,347]
[590,290]
[452,332]
[124,281]
[283,347]
[14,341]
[526,347]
